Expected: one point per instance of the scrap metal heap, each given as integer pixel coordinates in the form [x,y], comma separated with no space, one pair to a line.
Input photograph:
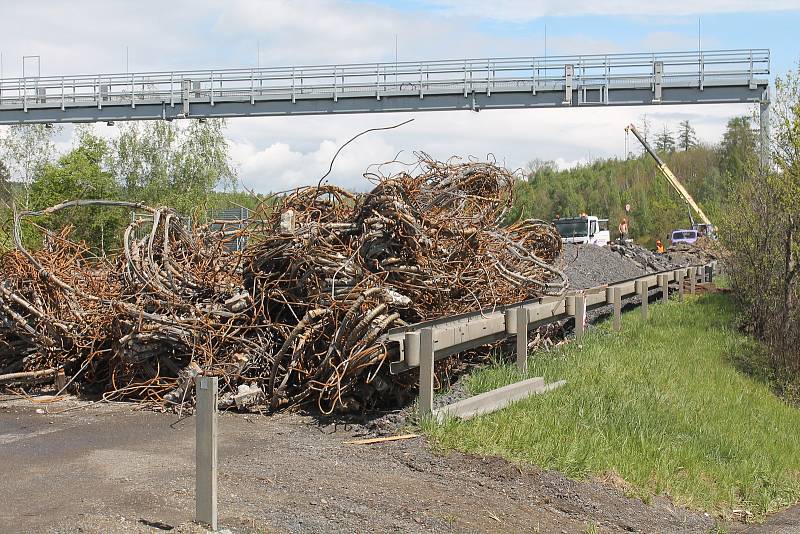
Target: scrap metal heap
[298,317]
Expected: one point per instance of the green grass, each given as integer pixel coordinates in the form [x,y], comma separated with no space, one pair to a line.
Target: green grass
[661,405]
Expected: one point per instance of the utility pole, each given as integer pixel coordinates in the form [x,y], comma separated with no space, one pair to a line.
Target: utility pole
[699,48]
[545,49]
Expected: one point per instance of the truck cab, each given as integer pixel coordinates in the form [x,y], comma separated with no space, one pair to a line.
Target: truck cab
[586,229]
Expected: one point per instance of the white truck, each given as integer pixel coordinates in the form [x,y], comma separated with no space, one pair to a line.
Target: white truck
[585,229]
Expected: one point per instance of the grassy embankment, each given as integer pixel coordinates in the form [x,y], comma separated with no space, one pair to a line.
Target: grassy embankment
[662,405]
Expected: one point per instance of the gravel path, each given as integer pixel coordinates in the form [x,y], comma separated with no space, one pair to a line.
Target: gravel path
[108,469]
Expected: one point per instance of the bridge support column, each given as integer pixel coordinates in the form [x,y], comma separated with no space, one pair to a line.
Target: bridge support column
[764,130]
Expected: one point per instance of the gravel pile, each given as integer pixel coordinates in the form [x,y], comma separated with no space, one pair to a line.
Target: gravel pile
[591,266]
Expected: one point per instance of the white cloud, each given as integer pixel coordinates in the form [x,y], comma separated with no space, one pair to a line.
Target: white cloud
[525,10]
[668,40]
[88,36]
[202,34]
[283,152]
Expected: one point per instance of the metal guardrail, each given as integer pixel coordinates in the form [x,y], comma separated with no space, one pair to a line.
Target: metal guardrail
[421,344]
[582,73]
[451,335]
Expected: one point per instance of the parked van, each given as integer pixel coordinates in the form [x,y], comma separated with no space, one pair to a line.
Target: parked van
[683,236]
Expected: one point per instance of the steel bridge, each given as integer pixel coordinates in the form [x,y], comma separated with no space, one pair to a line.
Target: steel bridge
[714,76]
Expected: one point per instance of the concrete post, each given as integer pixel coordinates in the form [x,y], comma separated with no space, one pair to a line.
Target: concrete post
[642,290]
[522,340]
[580,316]
[711,274]
[617,298]
[680,276]
[425,371]
[206,451]
[663,283]
[692,280]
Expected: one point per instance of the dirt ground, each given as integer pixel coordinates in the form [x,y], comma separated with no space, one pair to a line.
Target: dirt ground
[107,468]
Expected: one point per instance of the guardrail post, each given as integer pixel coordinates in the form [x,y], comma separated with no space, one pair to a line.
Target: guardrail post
[642,289]
[580,316]
[680,276]
[616,296]
[425,371]
[522,340]
[663,283]
[206,451]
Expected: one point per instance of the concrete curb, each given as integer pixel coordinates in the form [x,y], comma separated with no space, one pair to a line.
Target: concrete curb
[497,399]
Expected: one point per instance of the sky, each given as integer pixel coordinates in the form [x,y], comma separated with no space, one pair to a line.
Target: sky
[277,153]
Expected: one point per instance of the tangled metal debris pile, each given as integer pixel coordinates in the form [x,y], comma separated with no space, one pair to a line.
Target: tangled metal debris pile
[299,316]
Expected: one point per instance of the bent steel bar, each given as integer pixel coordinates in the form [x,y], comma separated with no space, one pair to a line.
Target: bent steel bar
[715,76]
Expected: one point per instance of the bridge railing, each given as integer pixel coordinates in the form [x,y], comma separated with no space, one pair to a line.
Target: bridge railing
[690,69]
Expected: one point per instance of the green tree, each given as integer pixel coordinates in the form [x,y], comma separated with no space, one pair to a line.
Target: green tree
[5,185]
[79,174]
[664,141]
[738,148]
[26,149]
[762,227]
[605,186]
[5,207]
[644,127]
[687,137]
[161,162]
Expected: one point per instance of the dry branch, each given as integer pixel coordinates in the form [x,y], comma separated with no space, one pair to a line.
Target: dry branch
[301,314]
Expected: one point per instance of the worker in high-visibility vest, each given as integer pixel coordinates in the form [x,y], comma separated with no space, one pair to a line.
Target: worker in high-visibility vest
[659,246]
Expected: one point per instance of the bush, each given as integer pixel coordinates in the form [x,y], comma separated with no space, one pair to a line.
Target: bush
[762,232]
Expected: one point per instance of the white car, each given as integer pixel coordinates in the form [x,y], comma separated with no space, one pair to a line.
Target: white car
[588,229]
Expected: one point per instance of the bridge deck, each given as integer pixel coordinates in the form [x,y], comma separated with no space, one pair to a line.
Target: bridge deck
[594,80]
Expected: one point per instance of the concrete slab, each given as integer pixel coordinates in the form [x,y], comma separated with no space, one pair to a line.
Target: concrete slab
[497,399]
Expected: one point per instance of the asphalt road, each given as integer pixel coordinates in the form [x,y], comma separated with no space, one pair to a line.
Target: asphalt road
[108,468]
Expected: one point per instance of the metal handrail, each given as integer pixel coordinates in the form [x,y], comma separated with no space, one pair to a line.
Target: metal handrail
[707,67]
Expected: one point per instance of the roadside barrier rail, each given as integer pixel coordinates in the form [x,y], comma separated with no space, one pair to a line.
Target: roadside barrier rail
[421,344]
